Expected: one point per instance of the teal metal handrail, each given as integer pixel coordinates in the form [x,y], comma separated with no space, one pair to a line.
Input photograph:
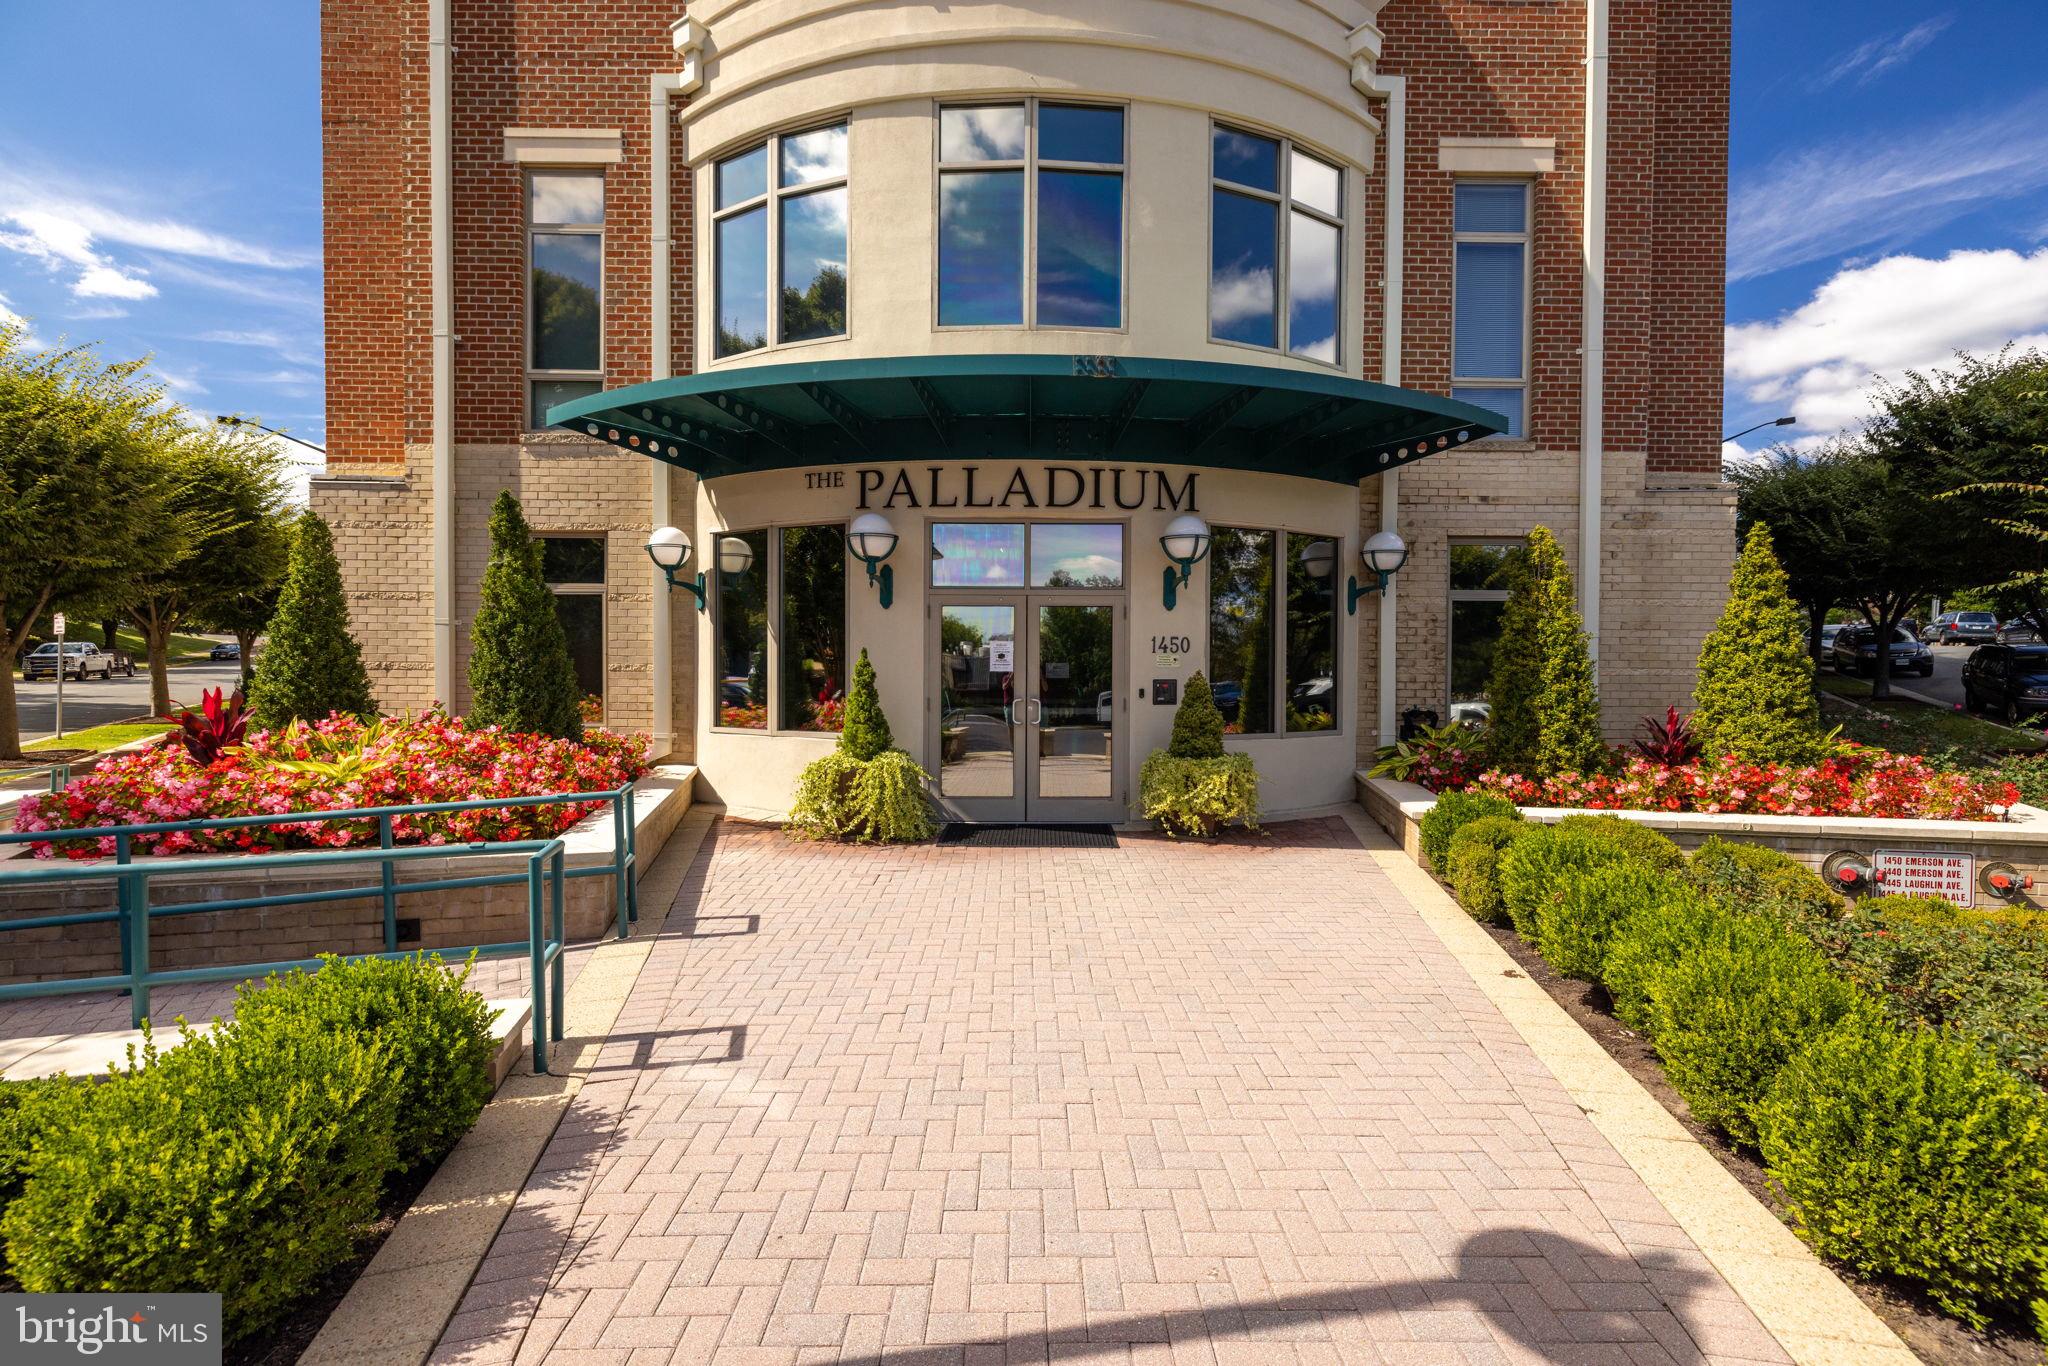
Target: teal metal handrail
[545,869]
[60,775]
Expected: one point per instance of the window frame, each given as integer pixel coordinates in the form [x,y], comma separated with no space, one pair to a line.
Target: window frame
[534,375]
[1526,239]
[772,663]
[601,590]
[1029,167]
[1279,693]
[1283,200]
[770,198]
[1455,595]
[1122,524]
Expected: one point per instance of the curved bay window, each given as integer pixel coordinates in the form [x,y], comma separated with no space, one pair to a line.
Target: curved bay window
[783,204]
[1276,246]
[1273,630]
[787,672]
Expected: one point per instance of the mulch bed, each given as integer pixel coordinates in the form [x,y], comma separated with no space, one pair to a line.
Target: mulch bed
[1934,1337]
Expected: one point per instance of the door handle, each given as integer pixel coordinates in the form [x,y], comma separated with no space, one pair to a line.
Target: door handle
[1037,713]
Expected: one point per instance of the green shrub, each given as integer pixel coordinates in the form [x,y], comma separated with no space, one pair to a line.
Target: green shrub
[1645,945]
[1568,736]
[1753,879]
[432,1030]
[1911,910]
[1635,839]
[878,800]
[1730,1011]
[1199,796]
[28,1111]
[1754,699]
[1197,723]
[1904,1153]
[1575,927]
[1516,677]
[1472,865]
[247,1161]
[865,732]
[1453,811]
[520,674]
[311,665]
[1534,868]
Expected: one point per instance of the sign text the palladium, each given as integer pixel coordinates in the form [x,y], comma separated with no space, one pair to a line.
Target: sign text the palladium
[1027,486]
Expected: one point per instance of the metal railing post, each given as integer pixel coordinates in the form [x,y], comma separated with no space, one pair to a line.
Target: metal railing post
[60,777]
[389,880]
[536,945]
[122,892]
[619,824]
[561,942]
[138,940]
[632,869]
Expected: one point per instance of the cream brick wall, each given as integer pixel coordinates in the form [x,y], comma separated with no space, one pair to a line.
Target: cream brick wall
[384,536]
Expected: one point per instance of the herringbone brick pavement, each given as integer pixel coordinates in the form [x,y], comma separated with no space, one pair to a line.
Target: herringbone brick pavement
[1159,1103]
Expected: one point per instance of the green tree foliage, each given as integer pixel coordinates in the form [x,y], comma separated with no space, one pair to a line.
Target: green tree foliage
[818,311]
[866,734]
[1516,679]
[520,675]
[1452,812]
[246,612]
[312,665]
[78,496]
[1197,723]
[1754,697]
[1989,418]
[1568,705]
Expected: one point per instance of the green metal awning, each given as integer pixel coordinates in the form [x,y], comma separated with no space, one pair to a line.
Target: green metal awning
[1054,407]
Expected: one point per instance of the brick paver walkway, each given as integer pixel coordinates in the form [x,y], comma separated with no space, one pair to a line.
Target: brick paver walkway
[1157,1103]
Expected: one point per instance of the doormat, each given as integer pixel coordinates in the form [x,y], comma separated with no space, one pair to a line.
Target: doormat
[1028,836]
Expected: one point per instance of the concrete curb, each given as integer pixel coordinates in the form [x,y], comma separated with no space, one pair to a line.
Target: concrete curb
[395,1312]
[1812,1313]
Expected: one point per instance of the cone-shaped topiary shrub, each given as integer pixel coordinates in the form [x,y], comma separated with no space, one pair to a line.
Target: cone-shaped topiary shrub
[1754,699]
[865,734]
[1197,723]
[1517,675]
[1567,703]
[520,675]
[311,665]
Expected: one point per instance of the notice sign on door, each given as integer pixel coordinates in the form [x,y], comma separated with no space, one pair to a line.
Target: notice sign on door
[1923,872]
[1002,656]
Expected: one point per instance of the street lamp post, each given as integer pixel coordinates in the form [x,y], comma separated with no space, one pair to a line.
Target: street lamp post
[1774,422]
[230,420]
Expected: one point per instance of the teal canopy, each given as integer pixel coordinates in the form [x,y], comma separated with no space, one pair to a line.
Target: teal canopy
[1263,418]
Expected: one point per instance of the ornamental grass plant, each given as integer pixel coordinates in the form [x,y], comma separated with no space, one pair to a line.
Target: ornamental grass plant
[866,790]
[1193,787]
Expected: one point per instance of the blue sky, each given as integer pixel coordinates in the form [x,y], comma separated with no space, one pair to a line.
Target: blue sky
[1889,194]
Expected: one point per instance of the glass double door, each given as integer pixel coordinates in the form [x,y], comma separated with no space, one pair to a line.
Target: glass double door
[1028,706]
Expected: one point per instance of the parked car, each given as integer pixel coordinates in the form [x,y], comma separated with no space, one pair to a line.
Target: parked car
[1828,634]
[1229,696]
[1956,628]
[1855,651]
[227,649]
[124,663]
[2007,681]
[2018,631]
[81,660]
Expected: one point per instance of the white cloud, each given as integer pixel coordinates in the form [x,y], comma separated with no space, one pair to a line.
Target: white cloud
[109,282]
[1876,321]
[1870,59]
[1238,294]
[279,293]
[96,312]
[1884,189]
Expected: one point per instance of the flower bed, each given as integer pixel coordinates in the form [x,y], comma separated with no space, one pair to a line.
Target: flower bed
[338,764]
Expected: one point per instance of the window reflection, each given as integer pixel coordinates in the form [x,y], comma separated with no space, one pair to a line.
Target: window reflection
[1076,555]
[989,133]
[565,197]
[977,555]
[981,248]
[1088,133]
[1311,632]
[1313,266]
[742,566]
[1241,628]
[1315,183]
[814,156]
[742,246]
[1246,159]
[1244,269]
[742,177]
[811,637]
[567,269]
[1080,249]
[814,265]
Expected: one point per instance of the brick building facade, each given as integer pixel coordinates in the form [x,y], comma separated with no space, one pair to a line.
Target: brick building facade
[462,102]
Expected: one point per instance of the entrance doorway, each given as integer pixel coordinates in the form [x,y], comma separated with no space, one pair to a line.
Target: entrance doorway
[1027,708]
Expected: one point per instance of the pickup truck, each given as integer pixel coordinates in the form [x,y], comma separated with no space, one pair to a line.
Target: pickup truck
[82,660]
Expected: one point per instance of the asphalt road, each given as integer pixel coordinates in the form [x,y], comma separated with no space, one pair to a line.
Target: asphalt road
[98,701]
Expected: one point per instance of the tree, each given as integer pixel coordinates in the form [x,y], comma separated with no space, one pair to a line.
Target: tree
[1754,696]
[1517,674]
[313,666]
[76,492]
[1988,419]
[1792,495]
[213,540]
[521,676]
[1568,704]
[866,733]
[1197,723]
[246,613]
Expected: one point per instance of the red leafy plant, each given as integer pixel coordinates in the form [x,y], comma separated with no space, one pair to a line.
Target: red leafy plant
[1669,742]
[217,727]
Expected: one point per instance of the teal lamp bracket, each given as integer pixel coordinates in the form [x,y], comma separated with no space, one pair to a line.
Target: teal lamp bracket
[1186,543]
[1356,590]
[669,547]
[1383,554]
[872,540]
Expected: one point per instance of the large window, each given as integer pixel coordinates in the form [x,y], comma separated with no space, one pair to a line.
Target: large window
[1031,215]
[779,241]
[1490,305]
[810,637]
[574,569]
[1273,630]
[1481,574]
[742,627]
[565,289]
[1276,246]
[1040,554]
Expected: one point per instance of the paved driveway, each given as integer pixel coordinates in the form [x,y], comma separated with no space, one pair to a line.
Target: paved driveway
[1156,1103]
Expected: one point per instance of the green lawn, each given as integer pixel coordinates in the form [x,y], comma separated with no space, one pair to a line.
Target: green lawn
[1906,726]
[180,647]
[101,737]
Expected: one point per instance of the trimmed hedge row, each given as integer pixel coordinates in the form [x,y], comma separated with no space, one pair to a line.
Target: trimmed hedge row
[249,1159]
[1858,1049]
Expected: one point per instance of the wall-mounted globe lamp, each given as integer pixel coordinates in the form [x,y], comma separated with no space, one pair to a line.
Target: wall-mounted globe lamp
[1383,553]
[1186,543]
[668,547]
[872,540]
[735,556]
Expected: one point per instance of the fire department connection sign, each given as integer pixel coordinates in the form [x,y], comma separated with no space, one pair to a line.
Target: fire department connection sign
[1923,872]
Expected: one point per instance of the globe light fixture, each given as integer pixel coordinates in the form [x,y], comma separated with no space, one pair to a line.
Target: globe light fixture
[1186,543]
[1319,558]
[735,556]
[872,540]
[669,547]
[1384,553]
